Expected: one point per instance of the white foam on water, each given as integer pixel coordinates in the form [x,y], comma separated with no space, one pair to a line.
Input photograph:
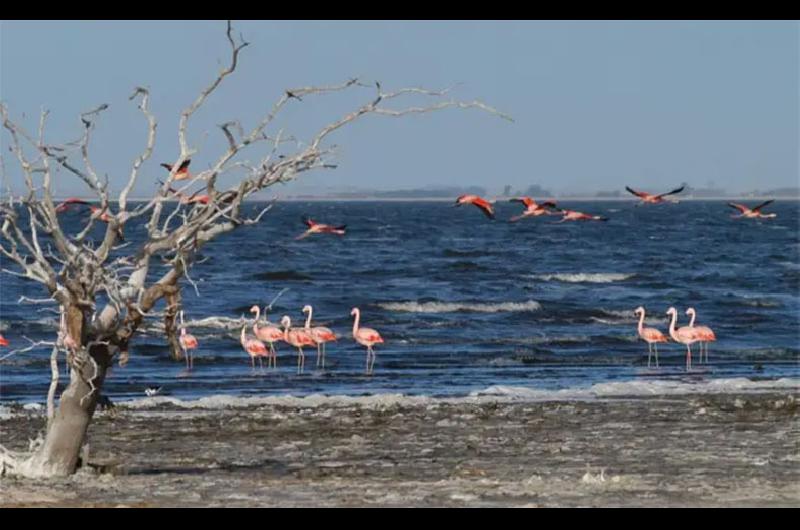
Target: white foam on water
[453,307]
[584,277]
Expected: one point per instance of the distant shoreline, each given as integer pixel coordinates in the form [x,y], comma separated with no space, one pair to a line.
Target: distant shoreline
[493,199]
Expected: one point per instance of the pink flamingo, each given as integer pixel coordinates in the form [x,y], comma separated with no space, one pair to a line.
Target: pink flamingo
[651,335]
[652,198]
[705,333]
[182,173]
[532,208]
[254,348]
[684,335]
[3,341]
[572,215]
[752,213]
[484,205]
[321,228]
[298,338]
[188,343]
[269,334]
[366,337]
[320,334]
[65,341]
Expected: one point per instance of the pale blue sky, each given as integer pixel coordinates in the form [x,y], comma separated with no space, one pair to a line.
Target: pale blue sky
[597,105]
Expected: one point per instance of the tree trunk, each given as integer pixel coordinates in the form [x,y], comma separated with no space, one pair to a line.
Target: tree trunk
[170,324]
[58,456]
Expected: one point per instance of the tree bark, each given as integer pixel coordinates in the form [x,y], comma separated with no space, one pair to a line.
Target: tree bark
[58,455]
[174,304]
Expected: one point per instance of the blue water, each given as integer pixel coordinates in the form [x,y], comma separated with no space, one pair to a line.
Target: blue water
[465,303]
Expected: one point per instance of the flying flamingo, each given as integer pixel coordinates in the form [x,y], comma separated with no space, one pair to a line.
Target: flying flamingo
[182,173]
[366,337]
[191,199]
[532,208]
[96,212]
[572,215]
[298,338]
[3,341]
[320,228]
[269,334]
[651,335]
[684,335]
[188,343]
[752,213]
[704,333]
[650,198]
[480,202]
[320,334]
[254,348]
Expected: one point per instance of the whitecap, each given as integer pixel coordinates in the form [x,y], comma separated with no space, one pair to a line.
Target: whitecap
[453,307]
[584,277]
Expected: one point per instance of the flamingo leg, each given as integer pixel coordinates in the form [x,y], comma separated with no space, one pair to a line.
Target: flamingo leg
[706,353]
[253,361]
[656,348]
[649,353]
[299,354]
[367,360]
[186,356]
[319,354]
[688,357]
[323,355]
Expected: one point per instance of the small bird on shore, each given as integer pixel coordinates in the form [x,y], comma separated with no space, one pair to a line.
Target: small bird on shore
[532,208]
[752,213]
[650,198]
[484,205]
[320,228]
[182,173]
[151,391]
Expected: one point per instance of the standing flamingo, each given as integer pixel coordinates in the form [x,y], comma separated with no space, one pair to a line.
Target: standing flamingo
[269,334]
[188,343]
[684,335]
[297,338]
[705,333]
[254,348]
[366,337]
[320,334]
[651,335]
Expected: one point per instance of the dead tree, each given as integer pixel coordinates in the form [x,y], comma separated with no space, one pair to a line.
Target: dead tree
[106,292]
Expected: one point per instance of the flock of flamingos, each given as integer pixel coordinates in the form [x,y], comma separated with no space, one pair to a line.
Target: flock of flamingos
[266,334]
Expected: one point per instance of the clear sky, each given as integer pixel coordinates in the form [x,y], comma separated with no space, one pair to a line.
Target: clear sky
[597,105]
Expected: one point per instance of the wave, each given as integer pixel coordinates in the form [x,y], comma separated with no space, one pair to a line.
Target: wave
[282,275]
[584,277]
[451,253]
[460,307]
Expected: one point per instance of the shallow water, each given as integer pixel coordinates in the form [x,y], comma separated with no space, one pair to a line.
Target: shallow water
[466,304]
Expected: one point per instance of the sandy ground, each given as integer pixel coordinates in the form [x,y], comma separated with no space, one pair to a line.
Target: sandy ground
[699,450]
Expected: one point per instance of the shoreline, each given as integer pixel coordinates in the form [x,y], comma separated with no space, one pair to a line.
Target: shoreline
[731,449]
[451,199]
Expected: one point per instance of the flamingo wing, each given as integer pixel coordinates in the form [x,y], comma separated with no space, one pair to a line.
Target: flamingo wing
[485,207]
[369,334]
[765,203]
[741,207]
[66,204]
[638,193]
[550,204]
[676,190]
[185,164]
[527,201]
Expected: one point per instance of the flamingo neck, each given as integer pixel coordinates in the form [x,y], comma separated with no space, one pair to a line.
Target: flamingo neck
[672,325]
[258,313]
[641,322]
[355,322]
[308,319]
[691,322]
[286,329]
[242,339]
[183,332]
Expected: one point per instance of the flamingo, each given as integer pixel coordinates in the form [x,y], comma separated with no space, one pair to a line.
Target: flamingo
[532,208]
[182,173]
[480,202]
[254,348]
[650,198]
[572,215]
[320,228]
[191,199]
[752,213]
[95,211]
[320,334]
[684,335]
[3,341]
[298,338]
[366,337]
[704,333]
[65,340]
[651,335]
[269,334]
[188,343]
